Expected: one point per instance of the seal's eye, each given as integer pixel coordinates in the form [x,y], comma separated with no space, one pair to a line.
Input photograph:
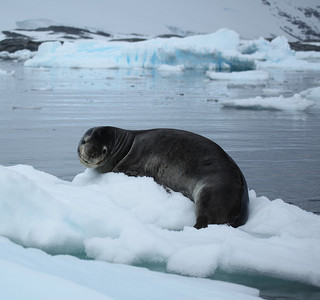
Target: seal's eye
[83,142]
[104,150]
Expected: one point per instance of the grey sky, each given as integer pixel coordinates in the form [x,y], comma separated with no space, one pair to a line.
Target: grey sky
[250,18]
[145,16]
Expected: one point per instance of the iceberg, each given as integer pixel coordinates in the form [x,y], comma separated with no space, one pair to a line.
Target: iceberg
[216,51]
[222,50]
[144,225]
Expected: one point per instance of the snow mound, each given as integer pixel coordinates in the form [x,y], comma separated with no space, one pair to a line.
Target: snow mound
[116,218]
[295,103]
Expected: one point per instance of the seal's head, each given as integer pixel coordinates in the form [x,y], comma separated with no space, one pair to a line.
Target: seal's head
[92,149]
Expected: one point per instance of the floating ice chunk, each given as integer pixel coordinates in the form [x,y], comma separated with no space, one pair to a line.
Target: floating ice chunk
[246,76]
[295,103]
[20,55]
[290,63]
[271,91]
[6,73]
[276,50]
[168,68]
[278,54]
[42,89]
[311,94]
[308,55]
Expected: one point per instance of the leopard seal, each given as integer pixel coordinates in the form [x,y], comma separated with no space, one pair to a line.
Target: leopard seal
[179,160]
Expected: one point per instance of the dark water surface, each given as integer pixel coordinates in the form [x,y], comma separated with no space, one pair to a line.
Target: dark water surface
[44,113]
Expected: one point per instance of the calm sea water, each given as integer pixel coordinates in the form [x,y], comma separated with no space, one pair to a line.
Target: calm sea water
[44,113]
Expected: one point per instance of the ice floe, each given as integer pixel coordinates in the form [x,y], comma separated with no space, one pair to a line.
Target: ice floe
[134,221]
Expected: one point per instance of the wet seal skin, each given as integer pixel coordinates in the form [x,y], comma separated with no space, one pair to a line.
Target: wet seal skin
[180,160]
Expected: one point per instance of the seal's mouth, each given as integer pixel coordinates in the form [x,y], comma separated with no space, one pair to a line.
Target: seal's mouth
[90,164]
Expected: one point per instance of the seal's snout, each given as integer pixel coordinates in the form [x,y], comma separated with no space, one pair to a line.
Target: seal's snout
[91,153]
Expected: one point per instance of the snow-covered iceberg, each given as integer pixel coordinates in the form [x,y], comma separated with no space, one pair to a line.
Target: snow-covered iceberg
[127,220]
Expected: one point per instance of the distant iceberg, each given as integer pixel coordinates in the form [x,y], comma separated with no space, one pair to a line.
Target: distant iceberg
[216,51]
[219,51]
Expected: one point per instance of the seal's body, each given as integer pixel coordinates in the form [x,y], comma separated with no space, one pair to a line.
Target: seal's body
[180,160]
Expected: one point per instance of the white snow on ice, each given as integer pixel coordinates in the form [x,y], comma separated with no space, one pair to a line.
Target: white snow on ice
[294,103]
[134,221]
